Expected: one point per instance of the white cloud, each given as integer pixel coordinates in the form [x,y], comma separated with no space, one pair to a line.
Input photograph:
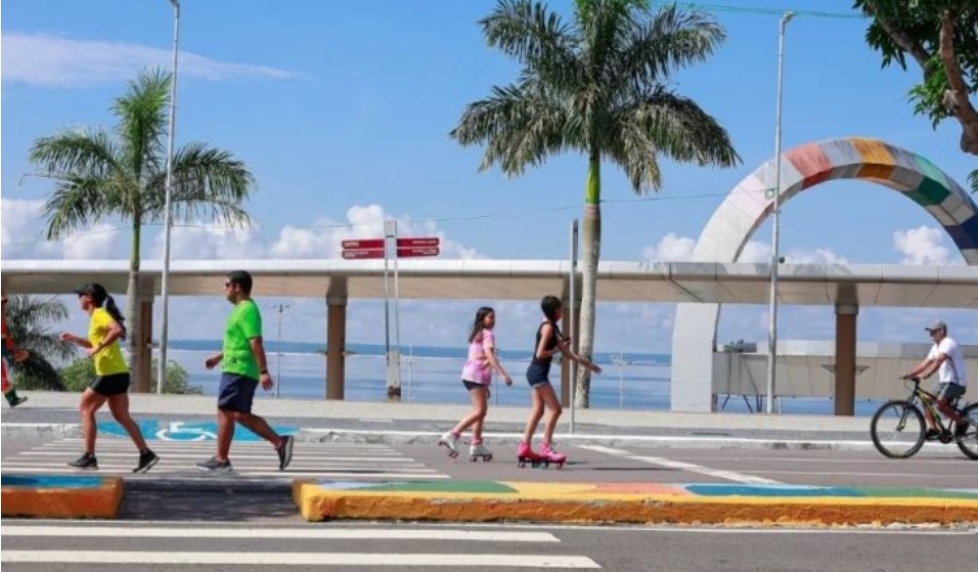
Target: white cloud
[321,240]
[675,248]
[47,60]
[924,245]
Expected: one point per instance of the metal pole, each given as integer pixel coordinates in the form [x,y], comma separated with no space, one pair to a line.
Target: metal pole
[387,304]
[168,207]
[571,315]
[397,310]
[278,364]
[776,236]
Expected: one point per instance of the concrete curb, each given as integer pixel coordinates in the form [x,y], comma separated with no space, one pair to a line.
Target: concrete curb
[387,437]
[317,503]
[210,485]
[61,497]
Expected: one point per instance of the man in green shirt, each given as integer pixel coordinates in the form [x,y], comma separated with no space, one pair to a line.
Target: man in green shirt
[244,369]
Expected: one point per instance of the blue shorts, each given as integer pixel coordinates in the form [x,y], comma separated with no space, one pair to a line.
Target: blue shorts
[538,374]
[237,392]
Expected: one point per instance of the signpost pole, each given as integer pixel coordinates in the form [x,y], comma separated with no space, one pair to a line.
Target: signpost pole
[397,308]
[393,383]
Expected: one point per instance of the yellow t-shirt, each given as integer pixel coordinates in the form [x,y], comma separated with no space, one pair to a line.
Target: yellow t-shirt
[110,360]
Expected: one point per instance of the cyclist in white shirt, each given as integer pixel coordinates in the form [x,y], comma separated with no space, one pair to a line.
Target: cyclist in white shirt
[945,359]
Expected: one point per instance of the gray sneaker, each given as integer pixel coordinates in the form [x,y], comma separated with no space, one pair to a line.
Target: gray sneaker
[213,465]
[285,452]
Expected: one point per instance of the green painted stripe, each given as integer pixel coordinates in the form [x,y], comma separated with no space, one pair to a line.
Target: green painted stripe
[933,190]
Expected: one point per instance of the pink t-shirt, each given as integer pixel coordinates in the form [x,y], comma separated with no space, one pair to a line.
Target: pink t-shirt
[477,368]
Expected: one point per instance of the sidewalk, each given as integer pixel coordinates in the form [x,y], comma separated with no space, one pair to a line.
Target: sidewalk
[50,414]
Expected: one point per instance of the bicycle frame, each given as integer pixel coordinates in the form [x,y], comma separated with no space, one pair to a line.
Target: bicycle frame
[928,400]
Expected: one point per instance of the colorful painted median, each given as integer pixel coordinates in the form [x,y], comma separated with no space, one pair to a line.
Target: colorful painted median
[65,496]
[79,497]
[490,501]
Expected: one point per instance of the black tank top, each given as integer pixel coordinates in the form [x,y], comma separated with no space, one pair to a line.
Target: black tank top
[551,343]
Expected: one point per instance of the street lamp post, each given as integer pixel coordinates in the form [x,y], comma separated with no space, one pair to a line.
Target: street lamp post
[772,340]
[168,207]
[281,308]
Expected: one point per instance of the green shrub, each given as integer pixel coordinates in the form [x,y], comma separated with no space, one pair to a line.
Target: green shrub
[79,374]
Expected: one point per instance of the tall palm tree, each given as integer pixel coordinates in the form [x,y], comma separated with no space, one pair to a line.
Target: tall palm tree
[100,176]
[598,86]
[30,321]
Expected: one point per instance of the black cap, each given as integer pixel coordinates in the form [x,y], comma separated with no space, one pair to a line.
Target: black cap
[94,290]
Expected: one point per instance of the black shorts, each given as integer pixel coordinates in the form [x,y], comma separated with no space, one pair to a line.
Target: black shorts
[470,385]
[237,392]
[111,385]
[538,374]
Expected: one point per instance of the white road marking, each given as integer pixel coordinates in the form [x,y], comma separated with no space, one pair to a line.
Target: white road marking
[309,559]
[282,533]
[909,530]
[679,465]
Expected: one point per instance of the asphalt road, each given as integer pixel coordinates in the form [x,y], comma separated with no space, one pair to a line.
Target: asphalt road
[212,547]
[937,467]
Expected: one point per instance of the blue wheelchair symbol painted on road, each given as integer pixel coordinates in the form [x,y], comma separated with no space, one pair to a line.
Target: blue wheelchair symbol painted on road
[185,431]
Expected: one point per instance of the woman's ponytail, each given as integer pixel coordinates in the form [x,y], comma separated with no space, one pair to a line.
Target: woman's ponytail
[113,311]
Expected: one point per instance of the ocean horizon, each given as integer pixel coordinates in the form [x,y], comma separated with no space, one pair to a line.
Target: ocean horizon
[432,374]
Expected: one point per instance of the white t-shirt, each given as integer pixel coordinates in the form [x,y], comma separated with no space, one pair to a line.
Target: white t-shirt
[952,369]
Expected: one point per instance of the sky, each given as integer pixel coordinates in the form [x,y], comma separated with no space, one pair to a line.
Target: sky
[342,110]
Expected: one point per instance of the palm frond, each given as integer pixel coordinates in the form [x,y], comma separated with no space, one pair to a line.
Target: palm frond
[141,114]
[653,49]
[208,184]
[974,181]
[519,125]
[74,152]
[674,126]
[78,202]
[533,35]
[29,321]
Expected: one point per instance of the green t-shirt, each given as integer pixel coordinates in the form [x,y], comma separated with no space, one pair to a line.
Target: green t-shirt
[244,325]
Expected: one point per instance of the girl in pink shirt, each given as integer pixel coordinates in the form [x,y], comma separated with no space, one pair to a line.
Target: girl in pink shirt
[476,376]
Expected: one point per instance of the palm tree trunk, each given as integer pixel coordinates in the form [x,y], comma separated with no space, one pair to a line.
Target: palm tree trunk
[591,239]
[133,315]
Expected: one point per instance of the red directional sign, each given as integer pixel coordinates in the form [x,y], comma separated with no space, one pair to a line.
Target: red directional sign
[418,243]
[368,243]
[363,254]
[418,252]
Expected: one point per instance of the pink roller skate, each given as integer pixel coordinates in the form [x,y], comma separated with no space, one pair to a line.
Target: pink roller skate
[524,455]
[548,455]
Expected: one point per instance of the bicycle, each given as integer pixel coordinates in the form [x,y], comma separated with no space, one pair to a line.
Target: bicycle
[907,411]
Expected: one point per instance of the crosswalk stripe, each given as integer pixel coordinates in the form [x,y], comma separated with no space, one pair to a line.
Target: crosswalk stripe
[282,533]
[309,559]
[365,474]
[250,459]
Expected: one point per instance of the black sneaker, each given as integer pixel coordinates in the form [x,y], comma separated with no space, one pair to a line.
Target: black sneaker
[86,461]
[285,452]
[213,465]
[147,460]
[18,401]
[932,435]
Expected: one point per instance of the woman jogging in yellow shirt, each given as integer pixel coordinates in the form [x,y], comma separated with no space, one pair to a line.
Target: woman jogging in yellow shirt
[111,384]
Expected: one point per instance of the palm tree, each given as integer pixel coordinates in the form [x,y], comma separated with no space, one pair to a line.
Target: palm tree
[597,86]
[29,321]
[99,176]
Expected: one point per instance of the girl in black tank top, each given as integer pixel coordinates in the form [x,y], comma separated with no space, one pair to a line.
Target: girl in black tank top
[549,341]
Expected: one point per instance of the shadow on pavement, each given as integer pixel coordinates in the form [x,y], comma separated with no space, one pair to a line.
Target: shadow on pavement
[209,506]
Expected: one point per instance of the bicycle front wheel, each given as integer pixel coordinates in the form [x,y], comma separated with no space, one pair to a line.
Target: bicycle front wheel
[968,443]
[898,429]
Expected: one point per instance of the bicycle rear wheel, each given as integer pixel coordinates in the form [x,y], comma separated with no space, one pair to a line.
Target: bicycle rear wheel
[898,429]
[969,442]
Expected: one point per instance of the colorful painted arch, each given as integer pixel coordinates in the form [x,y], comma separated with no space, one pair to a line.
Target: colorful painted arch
[807,166]
[751,202]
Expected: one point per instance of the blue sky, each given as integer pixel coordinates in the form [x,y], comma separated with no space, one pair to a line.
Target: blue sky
[343,111]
